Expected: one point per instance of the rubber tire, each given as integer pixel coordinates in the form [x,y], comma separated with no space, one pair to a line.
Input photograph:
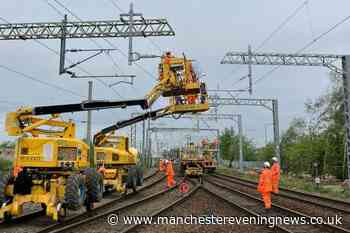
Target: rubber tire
[4,180]
[132,178]
[94,184]
[139,174]
[73,197]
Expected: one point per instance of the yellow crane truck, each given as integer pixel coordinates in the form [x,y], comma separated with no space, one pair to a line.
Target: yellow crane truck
[51,166]
[181,85]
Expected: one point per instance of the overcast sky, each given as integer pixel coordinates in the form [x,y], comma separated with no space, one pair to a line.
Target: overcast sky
[205,31]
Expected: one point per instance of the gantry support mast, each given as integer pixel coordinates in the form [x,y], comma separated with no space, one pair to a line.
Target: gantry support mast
[336,62]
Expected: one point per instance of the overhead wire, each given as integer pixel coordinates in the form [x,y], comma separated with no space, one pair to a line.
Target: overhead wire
[105,39]
[93,41]
[272,34]
[313,41]
[41,81]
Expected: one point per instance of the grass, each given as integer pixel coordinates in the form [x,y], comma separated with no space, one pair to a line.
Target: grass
[330,190]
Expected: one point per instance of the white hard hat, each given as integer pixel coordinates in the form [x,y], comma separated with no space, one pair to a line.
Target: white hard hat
[266,164]
[274,159]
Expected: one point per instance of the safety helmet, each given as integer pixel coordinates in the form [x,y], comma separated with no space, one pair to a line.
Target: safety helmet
[274,159]
[266,164]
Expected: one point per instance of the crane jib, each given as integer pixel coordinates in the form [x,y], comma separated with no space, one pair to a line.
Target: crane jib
[86,106]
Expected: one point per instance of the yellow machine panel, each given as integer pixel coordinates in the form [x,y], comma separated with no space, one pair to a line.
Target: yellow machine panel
[51,152]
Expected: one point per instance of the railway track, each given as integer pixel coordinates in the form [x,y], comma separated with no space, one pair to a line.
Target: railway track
[330,203]
[278,229]
[149,205]
[36,222]
[255,204]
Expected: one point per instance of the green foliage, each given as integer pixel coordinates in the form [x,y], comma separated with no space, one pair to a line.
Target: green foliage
[5,165]
[319,138]
[229,147]
[7,144]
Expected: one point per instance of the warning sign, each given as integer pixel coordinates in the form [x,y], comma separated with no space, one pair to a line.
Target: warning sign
[184,187]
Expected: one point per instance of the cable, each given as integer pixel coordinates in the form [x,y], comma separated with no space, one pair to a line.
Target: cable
[41,81]
[55,51]
[95,42]
[122,11]
[313,41]
[279,27]
[308,15]
[274,32]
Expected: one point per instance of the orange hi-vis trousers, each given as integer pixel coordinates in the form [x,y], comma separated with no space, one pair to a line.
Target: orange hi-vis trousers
[275,185]
[266,196]
[170,181]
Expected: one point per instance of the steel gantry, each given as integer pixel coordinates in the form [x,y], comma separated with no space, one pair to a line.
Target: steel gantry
[128,26]
[338,63]
[270,104]
[86,29]
[236,118]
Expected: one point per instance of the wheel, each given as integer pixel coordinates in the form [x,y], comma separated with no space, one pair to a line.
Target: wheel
[7,217]
[139,172]
[23,183]
[94,184]
[132,181]
[4,181]
[75,192]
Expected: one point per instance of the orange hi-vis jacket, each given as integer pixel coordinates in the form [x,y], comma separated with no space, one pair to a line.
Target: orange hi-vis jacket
[169,169]
[265,181]
[275,169]
[161,165]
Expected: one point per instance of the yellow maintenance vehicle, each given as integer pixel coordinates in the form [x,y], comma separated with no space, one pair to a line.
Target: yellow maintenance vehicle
[210,152]
[181,85]
[191,161]
[51,166]
[118,163]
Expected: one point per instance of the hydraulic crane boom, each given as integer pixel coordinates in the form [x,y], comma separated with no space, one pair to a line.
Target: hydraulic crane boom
[24,120]
[100,137]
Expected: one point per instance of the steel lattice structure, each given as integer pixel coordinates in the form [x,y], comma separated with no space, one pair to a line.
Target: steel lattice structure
[215,101]
[246,58]
[86,29]
[337,62]
[270,104]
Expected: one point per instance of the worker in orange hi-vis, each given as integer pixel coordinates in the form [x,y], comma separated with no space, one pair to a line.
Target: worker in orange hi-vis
[161,165]
[16,170]
[101,169]
[265,185]
[276,172]
[170,174]
[167,57]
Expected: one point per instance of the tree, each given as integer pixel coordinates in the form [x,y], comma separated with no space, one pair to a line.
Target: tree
[229,147]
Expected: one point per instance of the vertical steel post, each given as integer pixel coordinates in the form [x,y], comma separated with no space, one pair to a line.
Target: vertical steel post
[131,25]
[346,87]
[240,133]
[149,146]
[276,134]
[218,159]
[88,124]
[143,141]
[63,46]
[250,70]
